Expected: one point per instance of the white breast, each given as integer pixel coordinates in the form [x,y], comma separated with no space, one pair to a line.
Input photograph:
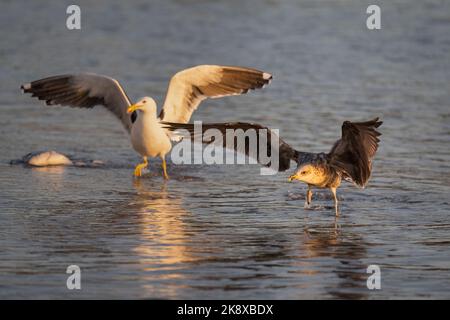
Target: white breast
[148,138]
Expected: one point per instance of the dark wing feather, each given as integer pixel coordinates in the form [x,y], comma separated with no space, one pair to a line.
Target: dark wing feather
[353,153]
[84,90]
[285,152]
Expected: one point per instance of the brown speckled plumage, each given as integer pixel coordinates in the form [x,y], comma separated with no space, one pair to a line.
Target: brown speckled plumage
[350,158]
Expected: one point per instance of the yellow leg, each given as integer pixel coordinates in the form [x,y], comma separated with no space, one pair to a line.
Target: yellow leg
[164,166]
[139,167]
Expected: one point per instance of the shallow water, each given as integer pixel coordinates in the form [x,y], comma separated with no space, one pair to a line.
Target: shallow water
[226,231]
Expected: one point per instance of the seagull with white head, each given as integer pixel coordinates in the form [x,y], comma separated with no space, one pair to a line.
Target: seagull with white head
[187,89]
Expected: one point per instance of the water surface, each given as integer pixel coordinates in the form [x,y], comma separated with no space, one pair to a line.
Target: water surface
[226,231]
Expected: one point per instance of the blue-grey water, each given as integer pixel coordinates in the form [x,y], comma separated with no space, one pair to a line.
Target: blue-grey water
[226,231]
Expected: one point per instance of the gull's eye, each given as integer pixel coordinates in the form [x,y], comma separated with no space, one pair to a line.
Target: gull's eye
[303,172]
[145,101]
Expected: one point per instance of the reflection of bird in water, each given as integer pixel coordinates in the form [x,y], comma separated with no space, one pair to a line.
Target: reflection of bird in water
[162,224]
[349,159]
[347,250]
[187,89]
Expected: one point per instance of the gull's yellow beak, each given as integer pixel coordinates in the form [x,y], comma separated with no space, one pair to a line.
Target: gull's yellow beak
[134,107]
[293,177]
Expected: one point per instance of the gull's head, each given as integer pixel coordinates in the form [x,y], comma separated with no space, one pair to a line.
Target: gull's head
[309,173]
[146,104]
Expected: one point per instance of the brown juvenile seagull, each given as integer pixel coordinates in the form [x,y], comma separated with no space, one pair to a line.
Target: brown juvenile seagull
[187,89]
[349,159]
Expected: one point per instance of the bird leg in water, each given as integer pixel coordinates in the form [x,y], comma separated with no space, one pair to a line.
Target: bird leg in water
[308,197]
[333,190]
[164,169]
[139,167]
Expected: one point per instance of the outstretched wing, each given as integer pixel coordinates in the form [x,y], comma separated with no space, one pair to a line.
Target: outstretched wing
[353,153]
[191,86]
[84,90]
[230,139]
